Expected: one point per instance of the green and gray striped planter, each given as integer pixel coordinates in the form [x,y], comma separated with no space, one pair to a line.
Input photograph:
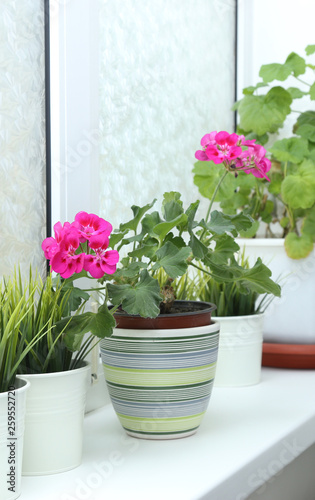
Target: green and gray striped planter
[160,380]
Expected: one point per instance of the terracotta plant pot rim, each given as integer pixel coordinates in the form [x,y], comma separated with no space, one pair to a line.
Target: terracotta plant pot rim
[298,356]
[184,319]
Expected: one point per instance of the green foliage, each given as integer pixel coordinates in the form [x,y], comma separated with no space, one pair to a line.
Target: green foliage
[262,113]
[230,298]
[168,243]
[37,334]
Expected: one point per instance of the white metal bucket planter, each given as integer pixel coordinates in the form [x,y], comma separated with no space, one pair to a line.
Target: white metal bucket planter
[240,350]
[12,413]
[54,421]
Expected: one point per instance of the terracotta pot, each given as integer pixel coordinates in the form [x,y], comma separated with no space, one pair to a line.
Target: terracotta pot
[160,377]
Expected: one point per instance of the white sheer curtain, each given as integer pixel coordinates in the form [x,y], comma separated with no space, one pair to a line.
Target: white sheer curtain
[22,134]
[166,78]
[135,85]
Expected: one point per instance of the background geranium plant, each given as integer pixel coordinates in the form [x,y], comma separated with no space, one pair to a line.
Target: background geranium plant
[287,203]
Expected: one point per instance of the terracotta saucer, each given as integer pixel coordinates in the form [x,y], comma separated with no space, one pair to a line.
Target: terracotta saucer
[299,356]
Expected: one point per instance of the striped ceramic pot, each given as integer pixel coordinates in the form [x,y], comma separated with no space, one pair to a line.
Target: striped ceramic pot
[160,380]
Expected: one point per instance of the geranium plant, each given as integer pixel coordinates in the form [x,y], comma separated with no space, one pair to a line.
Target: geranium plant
[286,204]
[171,240]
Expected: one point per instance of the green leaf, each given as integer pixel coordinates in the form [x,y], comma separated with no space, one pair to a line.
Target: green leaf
[198,249]
[298,190]
[172,206]
[191,212]
[220,223]
[293,149]
[275,71]
[172,259]
[206,178]
[251,89]
[74,295]
[224,249]
[149,222]
[296,93]
[116,237]
[298,247]
[307,131]
[274,187]
[261,114]
[132,270]
[310,49]
[74,328]
[296,64]
[312,92]
[308,226]
[249,233]
[266,213]
[163,228]
[138,213]
[143,299]
[284,222]
[258,279]
[308,117]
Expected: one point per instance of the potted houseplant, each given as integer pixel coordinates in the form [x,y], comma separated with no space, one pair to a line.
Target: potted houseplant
[283,209]
[240,316]
[13,390]
[161,240]
[155,348]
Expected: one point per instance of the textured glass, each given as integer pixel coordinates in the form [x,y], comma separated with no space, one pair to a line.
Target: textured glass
[166,79]
[22,141]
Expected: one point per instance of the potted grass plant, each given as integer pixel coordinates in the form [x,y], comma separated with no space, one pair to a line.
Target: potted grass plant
[57,376]
[240,316]
[14,309]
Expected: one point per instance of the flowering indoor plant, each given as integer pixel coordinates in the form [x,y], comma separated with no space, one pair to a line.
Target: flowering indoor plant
[172,240]
[285,205]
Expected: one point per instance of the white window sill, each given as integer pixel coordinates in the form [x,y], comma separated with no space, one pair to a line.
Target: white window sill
[248,435]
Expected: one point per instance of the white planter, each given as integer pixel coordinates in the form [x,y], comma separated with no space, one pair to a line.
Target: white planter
[12,404]
[291,318]
[54,421]
[240,351]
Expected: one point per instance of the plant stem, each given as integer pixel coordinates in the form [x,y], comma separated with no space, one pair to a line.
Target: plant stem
[302,81]
[215,193]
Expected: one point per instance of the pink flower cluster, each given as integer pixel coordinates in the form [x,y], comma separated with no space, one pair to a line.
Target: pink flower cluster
[88,231]
[222,147]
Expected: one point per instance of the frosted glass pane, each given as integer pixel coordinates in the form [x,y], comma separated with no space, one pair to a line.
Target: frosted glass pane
[166,78]
[22,142]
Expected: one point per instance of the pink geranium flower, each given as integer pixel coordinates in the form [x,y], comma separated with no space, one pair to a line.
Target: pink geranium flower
[222,147]
[253,161]
[51,245]
[104,261]
[65,261]
[91,227]
[219,147]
